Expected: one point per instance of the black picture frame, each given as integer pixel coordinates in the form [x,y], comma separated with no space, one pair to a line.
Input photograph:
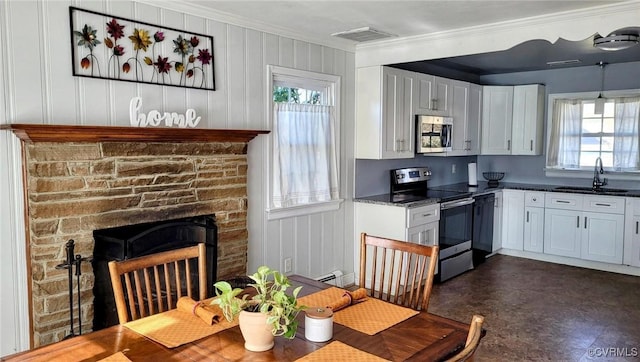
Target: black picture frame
[116,48]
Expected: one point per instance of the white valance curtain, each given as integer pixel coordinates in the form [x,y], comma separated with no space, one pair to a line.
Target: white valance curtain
[566,129]
[305,167]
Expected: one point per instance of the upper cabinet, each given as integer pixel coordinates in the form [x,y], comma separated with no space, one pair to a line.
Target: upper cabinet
[433,95]
[512,120]
[528,119]
[497,117]
[466,113]
[385,117]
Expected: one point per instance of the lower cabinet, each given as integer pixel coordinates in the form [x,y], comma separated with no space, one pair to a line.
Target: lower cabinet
[562,232]
[602,237]
[585,226]
[497,222]
[632,232]
[512,219]
[533,229]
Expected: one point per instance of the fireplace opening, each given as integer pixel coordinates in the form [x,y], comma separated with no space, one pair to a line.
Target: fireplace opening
[131,241]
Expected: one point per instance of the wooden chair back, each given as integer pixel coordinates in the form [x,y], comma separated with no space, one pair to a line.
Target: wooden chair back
[154,283]
[397,271]
[473,340]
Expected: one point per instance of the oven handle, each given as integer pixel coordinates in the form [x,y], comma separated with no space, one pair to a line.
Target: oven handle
[456,203]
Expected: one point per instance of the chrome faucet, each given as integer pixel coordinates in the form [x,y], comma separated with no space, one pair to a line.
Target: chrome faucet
[597,184]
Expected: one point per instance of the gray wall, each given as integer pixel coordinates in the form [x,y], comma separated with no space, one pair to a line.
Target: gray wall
[372,176]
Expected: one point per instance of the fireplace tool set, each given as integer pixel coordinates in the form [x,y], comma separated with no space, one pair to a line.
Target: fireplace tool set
[69,264]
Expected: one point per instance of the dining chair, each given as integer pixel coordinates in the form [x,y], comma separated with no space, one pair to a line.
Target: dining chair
[397,271]
[473,340]
[154,283]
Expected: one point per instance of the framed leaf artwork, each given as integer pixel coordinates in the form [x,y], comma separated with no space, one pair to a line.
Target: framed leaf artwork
[110,47]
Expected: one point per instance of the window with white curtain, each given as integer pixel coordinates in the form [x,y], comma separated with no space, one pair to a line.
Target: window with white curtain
[578,134]
[304,168]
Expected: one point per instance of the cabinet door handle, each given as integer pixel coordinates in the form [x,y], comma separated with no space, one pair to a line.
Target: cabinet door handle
[578,221]
[508,145]
[531,147]
[585,222]
[527,216]
[599,204]
[636,227]
[434,104]
[562,201]
[425,215]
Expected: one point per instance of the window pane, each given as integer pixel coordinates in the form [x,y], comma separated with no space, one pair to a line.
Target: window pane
[609,109]
[607,159]
[607,125]
[607,144]
[591,125]
[590,144]
[588,158]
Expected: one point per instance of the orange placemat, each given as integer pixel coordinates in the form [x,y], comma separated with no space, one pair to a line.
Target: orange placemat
[369,317]
[338,351]
[116,357]
[175,328]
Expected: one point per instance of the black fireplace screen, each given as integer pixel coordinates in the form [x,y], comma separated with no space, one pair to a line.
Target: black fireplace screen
[131,241]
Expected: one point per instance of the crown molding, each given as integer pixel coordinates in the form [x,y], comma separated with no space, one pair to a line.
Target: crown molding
[570,25]
[221,16]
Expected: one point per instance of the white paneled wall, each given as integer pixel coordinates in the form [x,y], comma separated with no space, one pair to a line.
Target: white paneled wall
[37,86]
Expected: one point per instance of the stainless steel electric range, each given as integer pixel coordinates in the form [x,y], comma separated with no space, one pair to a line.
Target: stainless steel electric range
[456,218]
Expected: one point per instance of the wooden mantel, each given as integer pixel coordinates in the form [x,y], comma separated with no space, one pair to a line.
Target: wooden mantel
[72,133]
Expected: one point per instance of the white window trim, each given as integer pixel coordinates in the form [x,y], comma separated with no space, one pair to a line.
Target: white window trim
[585,172]
[274,213]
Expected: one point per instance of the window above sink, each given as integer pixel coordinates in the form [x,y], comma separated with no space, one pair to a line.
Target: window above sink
[577,135]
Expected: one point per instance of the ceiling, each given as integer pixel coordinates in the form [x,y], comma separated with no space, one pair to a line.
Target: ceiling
[319,19]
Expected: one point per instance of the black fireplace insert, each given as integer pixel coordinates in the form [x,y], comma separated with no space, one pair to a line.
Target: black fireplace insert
[131,241]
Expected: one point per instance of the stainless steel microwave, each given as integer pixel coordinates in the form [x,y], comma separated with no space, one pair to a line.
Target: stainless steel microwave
[433,134]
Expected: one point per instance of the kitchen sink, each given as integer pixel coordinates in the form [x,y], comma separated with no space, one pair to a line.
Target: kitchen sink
[590,190]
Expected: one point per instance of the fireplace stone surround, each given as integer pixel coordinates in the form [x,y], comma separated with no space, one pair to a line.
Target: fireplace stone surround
[81,178]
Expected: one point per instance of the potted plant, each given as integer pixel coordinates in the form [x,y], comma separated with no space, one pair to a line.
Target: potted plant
[270,312]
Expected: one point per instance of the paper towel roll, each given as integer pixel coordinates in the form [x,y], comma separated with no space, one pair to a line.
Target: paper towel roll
[473,174]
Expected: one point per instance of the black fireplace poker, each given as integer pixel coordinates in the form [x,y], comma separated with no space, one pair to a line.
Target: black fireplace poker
[69,264]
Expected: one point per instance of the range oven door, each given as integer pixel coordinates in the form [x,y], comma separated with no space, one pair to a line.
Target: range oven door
[456,223]
[456,230]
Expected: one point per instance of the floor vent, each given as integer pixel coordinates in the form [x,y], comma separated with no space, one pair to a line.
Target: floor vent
[333,278]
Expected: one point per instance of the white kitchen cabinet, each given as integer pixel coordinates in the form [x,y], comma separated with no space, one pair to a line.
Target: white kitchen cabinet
[528,119]
[497,114]
[433,95]
[497,222]
[466,98]
[602,237]
[584,226]
[533,221]
[632,232]
[415,224]
[385,119]
[513,219]
[603,228]
[562,232]
[512,120]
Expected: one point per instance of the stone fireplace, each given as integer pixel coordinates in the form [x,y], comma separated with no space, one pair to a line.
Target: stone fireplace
[79,179]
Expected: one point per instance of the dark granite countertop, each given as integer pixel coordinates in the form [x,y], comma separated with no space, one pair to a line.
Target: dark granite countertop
[483,188]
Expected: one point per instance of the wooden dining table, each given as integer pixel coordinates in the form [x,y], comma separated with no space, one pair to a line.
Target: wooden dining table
[423,337]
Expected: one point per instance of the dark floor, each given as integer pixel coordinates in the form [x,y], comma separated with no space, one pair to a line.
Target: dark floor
[537,311]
